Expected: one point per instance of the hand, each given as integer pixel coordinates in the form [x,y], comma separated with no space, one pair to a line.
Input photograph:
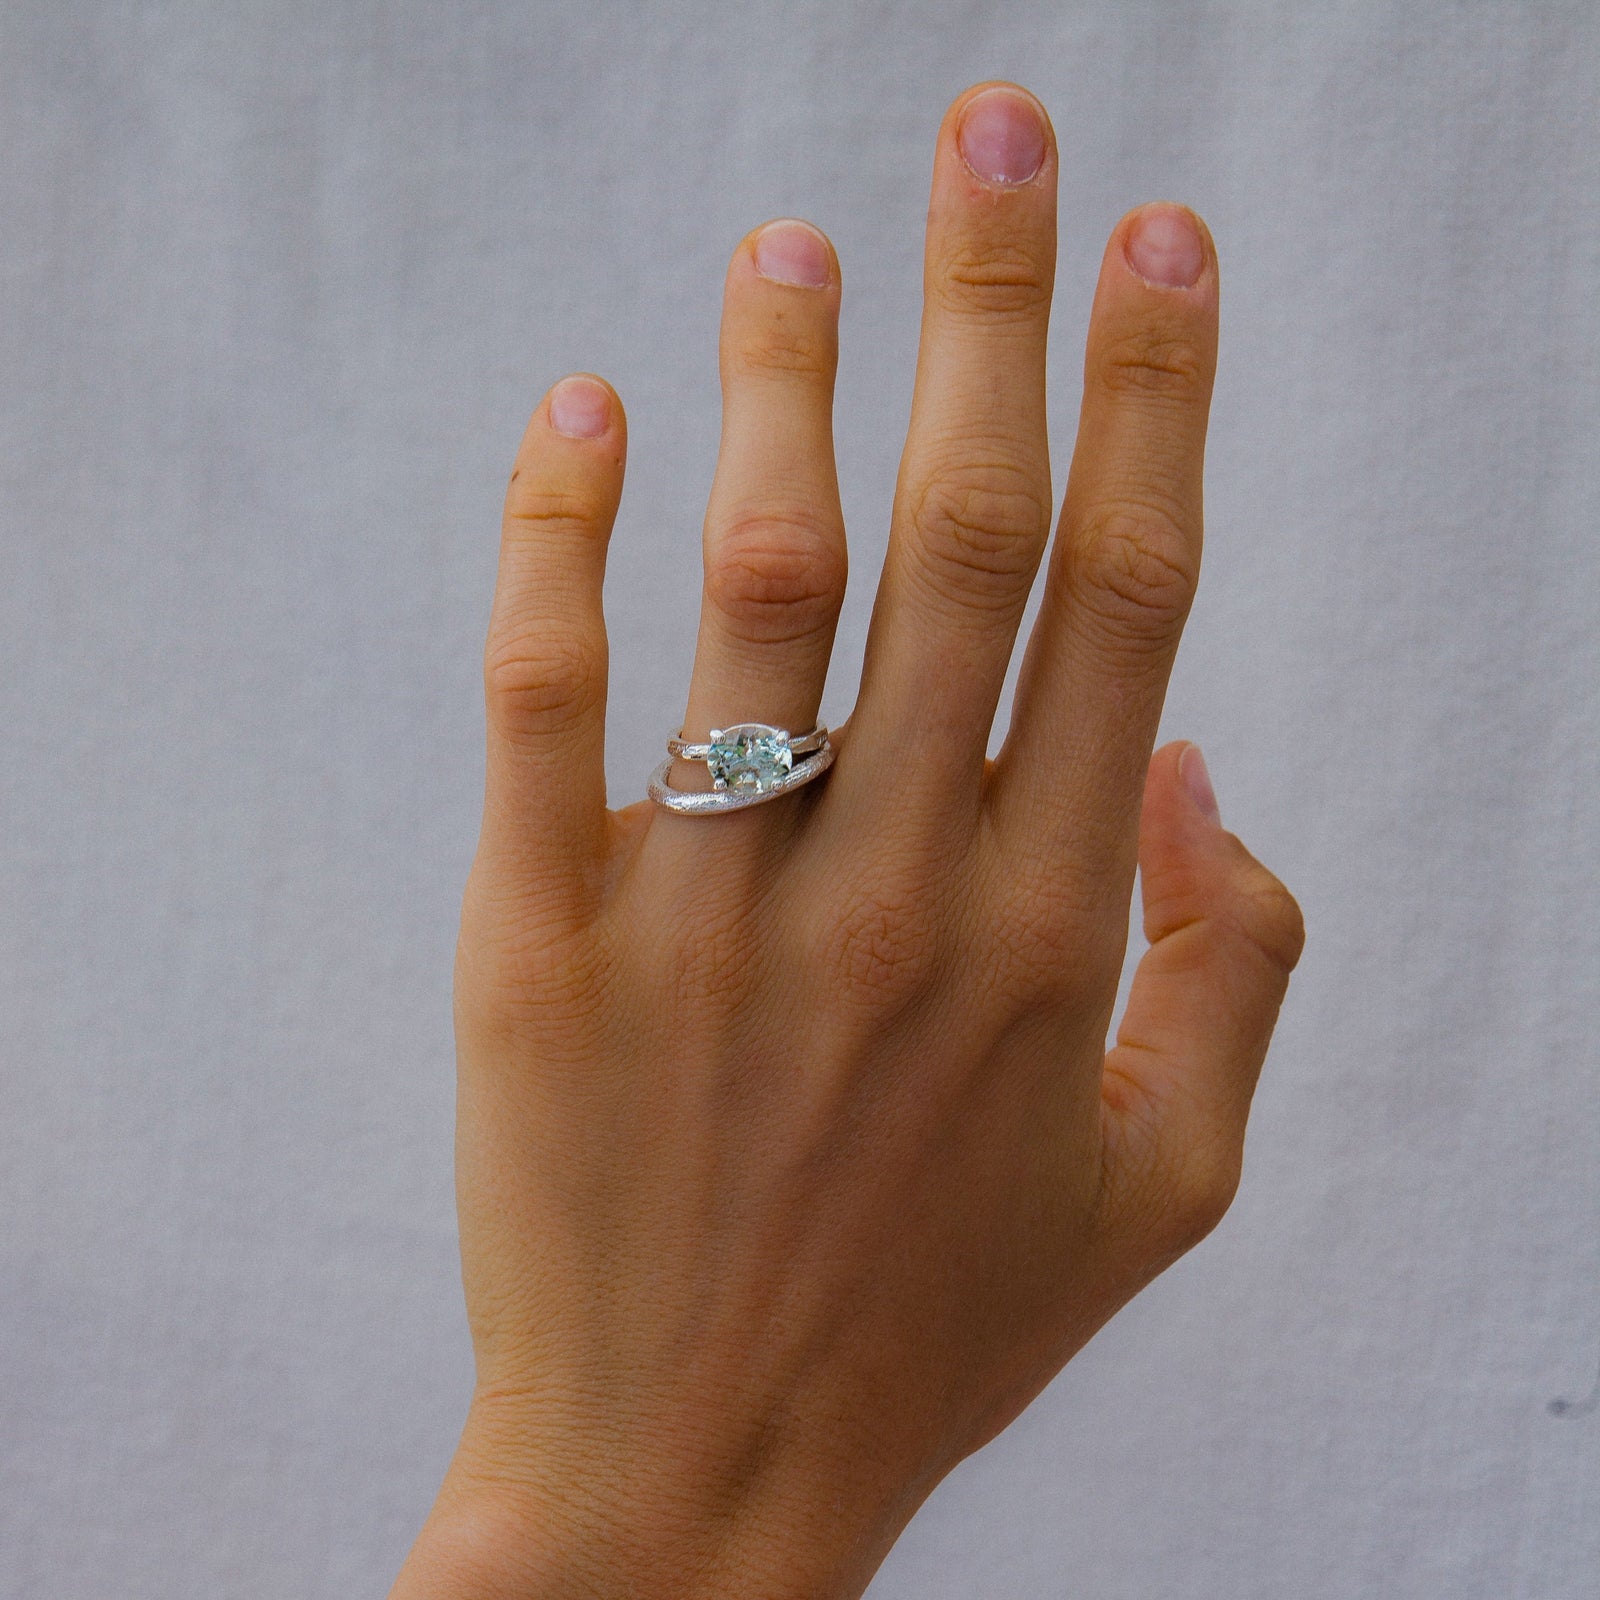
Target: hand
[791,1162]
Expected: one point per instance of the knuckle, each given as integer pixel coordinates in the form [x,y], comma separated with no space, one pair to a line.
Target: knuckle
[777,575]
[1271,919]
[993,281]
[785,347]
[520,964]
[1136,569]
[1167,1207]
[538,685]
[1155,363]
[981,529]
[1206,1190]
[535,507]
[1052,946]
[875,946]
[715,971]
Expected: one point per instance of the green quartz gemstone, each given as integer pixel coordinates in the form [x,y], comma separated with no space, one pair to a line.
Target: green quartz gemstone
[750,756]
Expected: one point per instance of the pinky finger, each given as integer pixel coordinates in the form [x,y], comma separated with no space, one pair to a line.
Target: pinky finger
[545,661]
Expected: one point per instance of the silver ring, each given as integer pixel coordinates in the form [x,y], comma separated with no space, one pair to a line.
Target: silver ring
[802,745]
[750,762]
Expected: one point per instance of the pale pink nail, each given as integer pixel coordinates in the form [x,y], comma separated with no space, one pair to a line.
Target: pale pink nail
[1002,136]
[1197,780]
[794,253]
[1163,246]
[580,408]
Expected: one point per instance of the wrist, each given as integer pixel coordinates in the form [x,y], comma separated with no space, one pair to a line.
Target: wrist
[619,1527]
[476,1547]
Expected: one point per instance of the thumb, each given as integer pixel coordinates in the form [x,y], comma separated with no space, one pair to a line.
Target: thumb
[1224,936]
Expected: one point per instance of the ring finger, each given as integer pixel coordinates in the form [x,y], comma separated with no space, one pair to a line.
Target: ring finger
[774,543]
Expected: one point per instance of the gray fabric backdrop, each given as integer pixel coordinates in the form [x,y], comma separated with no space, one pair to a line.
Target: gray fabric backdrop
[279,284]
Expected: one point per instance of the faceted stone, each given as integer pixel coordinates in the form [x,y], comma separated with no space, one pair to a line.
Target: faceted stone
[749,756]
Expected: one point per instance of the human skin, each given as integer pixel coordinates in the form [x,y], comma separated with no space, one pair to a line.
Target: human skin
[791,1160]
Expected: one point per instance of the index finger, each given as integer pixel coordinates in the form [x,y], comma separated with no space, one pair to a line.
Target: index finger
[1067,784]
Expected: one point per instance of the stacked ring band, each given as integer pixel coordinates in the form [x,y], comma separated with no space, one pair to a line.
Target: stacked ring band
[750,762]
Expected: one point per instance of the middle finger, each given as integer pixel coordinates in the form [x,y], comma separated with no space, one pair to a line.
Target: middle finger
[972,504]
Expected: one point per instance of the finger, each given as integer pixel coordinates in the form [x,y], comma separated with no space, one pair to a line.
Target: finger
[1224,936]
[774,541]
[1067,782]
[972,504]
[545,659]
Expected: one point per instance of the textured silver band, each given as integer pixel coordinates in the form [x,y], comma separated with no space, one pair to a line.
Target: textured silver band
[703,803]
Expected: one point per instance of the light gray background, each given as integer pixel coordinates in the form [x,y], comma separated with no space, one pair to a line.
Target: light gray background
[279,285]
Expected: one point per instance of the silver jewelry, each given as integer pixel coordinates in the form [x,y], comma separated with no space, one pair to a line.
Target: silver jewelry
[749,761]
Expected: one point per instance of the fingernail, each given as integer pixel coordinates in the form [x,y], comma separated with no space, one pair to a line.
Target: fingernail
[1192,769]
[793,252]
[1163,247]
[1002,136]
[579,408]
